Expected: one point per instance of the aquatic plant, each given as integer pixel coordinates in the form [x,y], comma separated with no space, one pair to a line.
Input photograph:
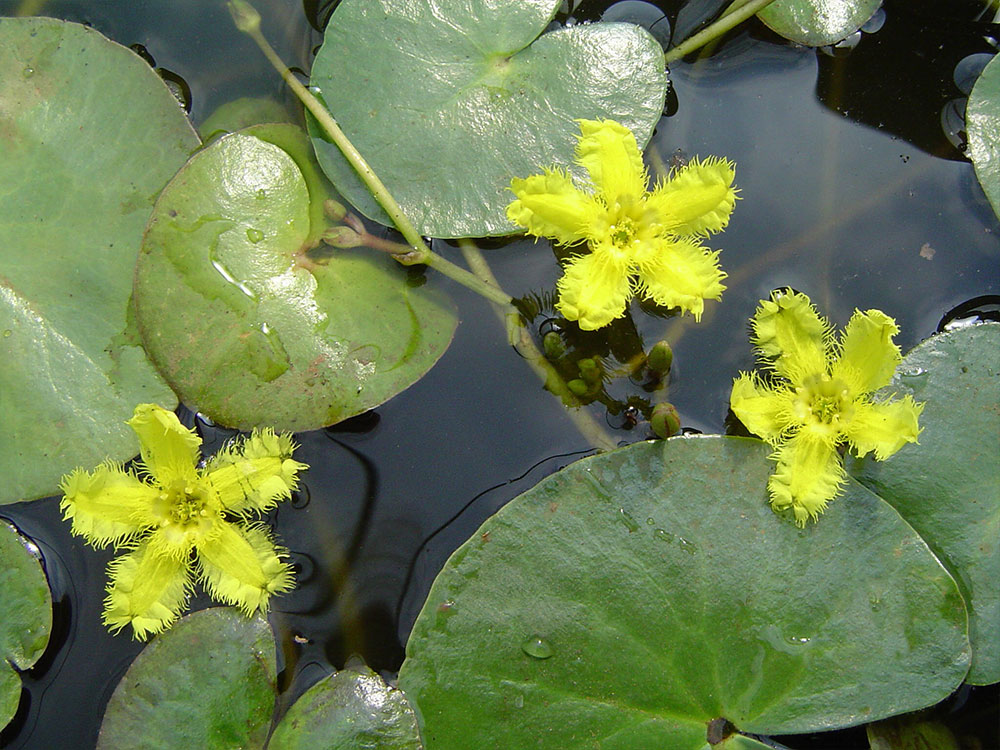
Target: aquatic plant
[640,241]
[819,397]
[178,521]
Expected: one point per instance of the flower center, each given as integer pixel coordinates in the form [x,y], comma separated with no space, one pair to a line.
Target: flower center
[624,222]
[185,506]
[824,401]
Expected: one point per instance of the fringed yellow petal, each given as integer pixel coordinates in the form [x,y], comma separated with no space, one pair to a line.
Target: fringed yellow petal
[609,153]
[243,567]
[594,288]
[868,357]
[808,476]
[109,506]
[146,590]
[697,199]
[256,473]
[788,331]
[884,427]
[679,273]
[764,410]
[169,450]
[550,205]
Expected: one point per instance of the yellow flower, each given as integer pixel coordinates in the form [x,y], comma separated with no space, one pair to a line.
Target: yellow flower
[820,397]
[640,241]
[178,521]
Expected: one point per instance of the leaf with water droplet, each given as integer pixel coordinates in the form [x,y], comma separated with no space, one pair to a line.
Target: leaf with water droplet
[250,327]
[743,616]
[947,486]
[353,708]
[818,22]
[88,136]
[982,121]
[450,100]
[206,683]
[26,623]
[537,647]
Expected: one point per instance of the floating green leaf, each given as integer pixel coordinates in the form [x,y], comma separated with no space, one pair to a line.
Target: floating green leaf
[982,121]
[207,683]
[910,733]
[817,22]
[88,135]
[348,710]
[247,325]
[948,486]
[449,100]
[26,623]
[634,597]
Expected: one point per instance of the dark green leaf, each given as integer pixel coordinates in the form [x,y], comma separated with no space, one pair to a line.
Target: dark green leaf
[948,486]
[350,710]
[632,598]
[206,683]
[26,620]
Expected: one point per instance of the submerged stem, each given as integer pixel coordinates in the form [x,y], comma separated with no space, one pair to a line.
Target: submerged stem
[582,419]
[733,15]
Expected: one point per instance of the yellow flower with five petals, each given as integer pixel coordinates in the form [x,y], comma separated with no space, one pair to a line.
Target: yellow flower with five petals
[820,397]
[175,518]
[640,241]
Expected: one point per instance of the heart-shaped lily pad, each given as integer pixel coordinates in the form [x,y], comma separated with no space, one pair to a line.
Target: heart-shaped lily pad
[247,326]
[348,710]
[206,683]
[89,135]
[26,623]
[448,101]
[817,22]
[636,598]
[982,121]
[948,485]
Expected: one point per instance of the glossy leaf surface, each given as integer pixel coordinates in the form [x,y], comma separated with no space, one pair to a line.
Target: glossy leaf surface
[630,599]
[251,329]
[948,486]
[449,100]
[349,710]
[982,119]
[205,683]
[26,623]
[817,22]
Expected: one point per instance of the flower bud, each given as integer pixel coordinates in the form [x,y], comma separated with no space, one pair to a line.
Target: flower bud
[341,236]
[245,16]
[578,387]
[590,371]
[553,345]
[660,358]
[665,421]
[334,210]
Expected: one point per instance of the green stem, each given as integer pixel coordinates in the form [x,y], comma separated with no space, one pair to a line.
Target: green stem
[732,17]
[247,20]
[582,419]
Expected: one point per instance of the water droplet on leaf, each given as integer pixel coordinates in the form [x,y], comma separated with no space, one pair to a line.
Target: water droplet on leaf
[537,647]
[254,235]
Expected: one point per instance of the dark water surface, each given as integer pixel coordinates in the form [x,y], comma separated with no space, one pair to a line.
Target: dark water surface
[854,190]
